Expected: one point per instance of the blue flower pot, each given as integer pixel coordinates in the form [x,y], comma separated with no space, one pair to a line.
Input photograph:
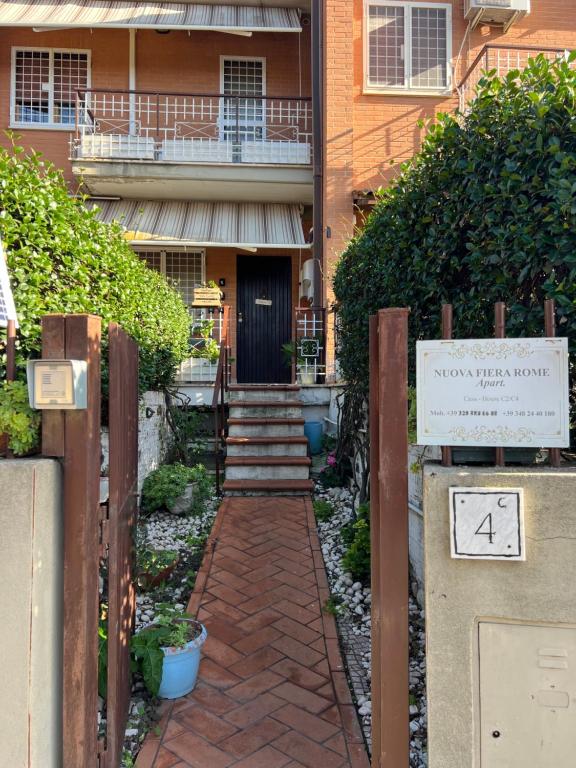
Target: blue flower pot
[180,668]
[313,431]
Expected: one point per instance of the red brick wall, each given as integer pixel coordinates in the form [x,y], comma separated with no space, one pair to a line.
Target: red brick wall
[173,62]
[368,135]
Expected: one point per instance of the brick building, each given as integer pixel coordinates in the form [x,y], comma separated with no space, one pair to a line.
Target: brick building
[192,125]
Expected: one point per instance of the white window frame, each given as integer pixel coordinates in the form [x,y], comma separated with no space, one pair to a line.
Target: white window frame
[162,248]
[41,49]
[230,57]
[406,88]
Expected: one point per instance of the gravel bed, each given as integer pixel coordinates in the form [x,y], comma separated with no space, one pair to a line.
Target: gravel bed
[351,604]
[162,531]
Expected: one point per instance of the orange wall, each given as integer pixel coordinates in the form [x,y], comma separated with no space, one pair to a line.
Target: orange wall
[173,62]
[368,135]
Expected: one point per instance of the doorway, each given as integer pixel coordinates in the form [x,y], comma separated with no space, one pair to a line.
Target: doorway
[264,319]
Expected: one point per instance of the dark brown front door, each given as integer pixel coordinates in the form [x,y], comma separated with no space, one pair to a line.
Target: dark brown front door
[264,319]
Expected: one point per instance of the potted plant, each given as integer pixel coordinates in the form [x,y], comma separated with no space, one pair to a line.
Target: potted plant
[305,376]
[204,351]
[168,652]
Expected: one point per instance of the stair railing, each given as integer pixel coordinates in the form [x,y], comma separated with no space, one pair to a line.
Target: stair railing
[221,385]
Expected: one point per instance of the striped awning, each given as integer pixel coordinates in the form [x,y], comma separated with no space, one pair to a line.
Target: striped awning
[236,225]
[111,14]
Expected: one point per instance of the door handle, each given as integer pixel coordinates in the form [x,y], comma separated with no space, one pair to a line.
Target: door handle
[240,318]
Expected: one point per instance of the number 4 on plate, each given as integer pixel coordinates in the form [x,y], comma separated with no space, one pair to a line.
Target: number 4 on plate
[487,523]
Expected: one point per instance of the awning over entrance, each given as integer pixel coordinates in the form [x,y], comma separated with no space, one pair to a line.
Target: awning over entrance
[233,225]
[93,14]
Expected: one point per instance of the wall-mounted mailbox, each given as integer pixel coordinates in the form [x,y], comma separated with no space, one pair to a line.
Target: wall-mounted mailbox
[57,384]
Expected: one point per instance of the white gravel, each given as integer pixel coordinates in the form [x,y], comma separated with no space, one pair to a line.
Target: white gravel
[354,610]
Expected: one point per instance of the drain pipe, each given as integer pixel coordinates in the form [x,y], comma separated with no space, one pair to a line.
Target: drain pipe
[317,59]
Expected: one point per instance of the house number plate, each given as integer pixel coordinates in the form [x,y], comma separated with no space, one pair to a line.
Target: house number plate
[487,523]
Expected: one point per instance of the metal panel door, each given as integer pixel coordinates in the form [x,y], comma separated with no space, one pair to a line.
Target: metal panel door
[264,319]
[527,696]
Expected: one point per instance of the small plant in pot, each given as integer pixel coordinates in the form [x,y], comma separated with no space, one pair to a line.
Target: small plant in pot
[167,652]
[289,353]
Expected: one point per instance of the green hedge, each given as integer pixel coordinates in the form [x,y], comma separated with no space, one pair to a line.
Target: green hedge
[62,259]
[485,212]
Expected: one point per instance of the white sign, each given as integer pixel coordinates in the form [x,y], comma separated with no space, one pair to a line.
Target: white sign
[487,523]
[493,392]
[7,307]
[263,302]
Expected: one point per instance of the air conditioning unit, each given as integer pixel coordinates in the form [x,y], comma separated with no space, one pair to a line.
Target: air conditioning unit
[501,12]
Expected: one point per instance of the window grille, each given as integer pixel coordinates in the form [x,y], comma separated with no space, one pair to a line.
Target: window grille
[45,85]
[407,46]
[243,117]
[183,268]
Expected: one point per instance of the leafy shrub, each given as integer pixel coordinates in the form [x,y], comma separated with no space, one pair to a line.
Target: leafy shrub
[17,419]
[323,510]
[332,476]
[63,260]
[357,557]
[187,422]
[150,565]
[485,212]
[166,484]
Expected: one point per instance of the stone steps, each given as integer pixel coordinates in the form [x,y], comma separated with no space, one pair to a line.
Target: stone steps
[272,427]
[267,446]
[266,450]
[268,487]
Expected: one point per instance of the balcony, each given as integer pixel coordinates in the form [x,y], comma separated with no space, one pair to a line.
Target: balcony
[501,59]
[187,145]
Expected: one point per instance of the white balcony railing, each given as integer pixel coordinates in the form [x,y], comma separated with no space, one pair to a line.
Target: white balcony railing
[500,59]
[189,128]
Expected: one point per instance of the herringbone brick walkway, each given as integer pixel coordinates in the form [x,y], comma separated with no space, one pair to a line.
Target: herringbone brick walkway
[272,692]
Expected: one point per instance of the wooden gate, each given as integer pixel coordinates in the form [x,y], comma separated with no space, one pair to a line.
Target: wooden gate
[95,532]
[389,538]
[122,510]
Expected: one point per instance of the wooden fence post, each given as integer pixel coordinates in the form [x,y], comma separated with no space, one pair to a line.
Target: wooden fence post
[389,538]
[75,436]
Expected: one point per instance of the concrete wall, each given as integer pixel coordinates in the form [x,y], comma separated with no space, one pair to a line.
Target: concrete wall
[460,592]
[417,456]
[154,436]
[31,626]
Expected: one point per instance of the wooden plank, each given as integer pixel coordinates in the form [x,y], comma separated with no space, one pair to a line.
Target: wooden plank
[499,333]
[447,330]
[81,597]
[53,348]
[376,604]
[555,457]
[392,543]
[122,510]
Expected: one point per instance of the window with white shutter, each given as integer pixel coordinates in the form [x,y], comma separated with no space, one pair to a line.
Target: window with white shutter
[44,86]
[407,46]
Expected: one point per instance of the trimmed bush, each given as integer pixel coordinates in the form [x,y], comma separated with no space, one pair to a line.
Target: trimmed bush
[62,259]
[485,212]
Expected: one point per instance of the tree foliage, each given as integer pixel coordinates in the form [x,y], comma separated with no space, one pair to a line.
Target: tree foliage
[62,259]
[485,212]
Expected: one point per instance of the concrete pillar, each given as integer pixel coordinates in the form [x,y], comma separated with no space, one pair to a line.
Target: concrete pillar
[31,624]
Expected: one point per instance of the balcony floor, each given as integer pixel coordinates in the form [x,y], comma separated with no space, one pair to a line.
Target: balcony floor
[172,180]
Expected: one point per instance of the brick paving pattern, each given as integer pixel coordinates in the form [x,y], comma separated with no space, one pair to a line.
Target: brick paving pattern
[272,691]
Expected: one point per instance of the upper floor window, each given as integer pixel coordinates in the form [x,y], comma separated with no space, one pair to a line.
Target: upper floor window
[44,86]
[407,46]
[242,81]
